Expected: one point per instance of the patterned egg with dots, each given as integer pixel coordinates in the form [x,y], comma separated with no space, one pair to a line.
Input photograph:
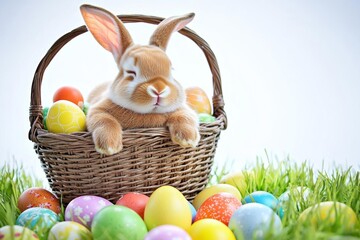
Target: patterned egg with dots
[65,117]
[83,209]
[38,197]
[220,206]
[17,233]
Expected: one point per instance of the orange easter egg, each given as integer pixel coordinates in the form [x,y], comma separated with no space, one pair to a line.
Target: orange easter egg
[197,99]
[38,197]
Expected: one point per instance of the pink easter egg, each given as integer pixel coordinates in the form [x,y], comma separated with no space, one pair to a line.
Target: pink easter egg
[83,209]
[167,232]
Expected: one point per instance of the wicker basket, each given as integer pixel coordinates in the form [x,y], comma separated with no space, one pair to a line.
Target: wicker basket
[148,160]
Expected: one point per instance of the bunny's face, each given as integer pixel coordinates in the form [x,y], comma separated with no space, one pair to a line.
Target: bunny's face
[145,83]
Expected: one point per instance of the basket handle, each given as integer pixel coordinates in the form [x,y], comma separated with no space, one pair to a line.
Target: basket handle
[36,117]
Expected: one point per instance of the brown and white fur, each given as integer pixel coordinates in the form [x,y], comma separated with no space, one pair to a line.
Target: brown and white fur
[144,93]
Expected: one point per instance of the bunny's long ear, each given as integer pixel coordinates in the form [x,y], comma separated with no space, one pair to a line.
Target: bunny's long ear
[169,25]
[107,29]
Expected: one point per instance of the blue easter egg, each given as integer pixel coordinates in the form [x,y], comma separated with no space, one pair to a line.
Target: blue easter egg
[193,211]
[254,221]
[264,198]
[40,220]
[292,198]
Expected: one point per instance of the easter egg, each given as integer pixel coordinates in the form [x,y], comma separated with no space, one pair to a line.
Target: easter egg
[167,205]
[254,221]
[167,232]
[69,230]
[38,197]
[86,107]
[238,180]
[262,197]
[83,209]
[70,94]
[292,198]
[210,229]
[220,206]
[197,99]
[45,113]
[134,201]
[336,215]
[40,220]
[65,117]
[206,118]
[214,189]
[118,222]
[17,233]
[193,211]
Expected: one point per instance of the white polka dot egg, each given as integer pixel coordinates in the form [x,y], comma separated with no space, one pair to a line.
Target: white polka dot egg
[83,209]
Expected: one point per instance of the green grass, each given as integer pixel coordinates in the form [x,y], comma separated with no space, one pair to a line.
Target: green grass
[13,181]
[274,176]
[271,175]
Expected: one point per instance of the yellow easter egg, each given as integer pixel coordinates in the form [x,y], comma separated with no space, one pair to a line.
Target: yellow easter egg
[69,230]
[210,229]
[212,190]
[335,215]
[65,117]
[17,233]
[167,205]
[238,180]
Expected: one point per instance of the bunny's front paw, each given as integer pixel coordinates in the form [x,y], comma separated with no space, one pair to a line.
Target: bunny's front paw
[185,135]
[107,143]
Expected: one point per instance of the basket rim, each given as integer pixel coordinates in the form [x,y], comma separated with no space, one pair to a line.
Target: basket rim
[35,110]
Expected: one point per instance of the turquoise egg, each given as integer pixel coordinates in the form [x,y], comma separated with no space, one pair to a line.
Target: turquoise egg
[40,220]
[262,197]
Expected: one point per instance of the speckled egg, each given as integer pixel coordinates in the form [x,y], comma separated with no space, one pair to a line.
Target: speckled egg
[69,231]
[83,209]
[212,190]
[17,233]
[40,220]
[38,197]
[220,207]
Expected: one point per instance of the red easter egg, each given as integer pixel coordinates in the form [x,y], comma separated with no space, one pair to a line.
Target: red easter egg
[70,94]
[220,206]
[38,197]
[134,201]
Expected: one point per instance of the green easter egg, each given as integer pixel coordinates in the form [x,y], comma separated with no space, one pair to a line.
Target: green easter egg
[118,222]
[206,118]
[85,107]
[45,113]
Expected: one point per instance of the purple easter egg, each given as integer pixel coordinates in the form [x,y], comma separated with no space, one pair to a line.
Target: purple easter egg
[167,232]
[83,209]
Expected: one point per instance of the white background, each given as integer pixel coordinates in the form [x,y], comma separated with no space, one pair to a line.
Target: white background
[290,71]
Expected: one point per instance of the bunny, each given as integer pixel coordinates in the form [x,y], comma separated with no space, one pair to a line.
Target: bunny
[144,93]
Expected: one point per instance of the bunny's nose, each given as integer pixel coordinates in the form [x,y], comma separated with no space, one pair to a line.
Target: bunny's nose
[155,92]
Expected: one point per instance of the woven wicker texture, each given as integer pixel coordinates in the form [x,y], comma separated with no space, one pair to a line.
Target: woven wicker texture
[148,160]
